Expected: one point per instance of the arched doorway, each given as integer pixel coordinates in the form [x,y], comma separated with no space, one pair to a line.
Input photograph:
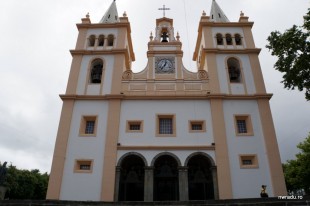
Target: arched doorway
[200,180]
[131,183]
[166,179]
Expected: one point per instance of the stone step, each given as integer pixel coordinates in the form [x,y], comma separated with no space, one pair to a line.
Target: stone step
[305,201]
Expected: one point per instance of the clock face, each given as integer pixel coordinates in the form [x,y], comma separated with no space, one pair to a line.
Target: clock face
[164,65]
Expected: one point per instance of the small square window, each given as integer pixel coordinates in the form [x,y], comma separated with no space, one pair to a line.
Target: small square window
[134,126]
[243,125]
[197,126]
[88,126]
[83,166]
[248,161]
[165,125]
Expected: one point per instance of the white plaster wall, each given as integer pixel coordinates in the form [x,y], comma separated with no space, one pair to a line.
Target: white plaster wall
[93,89]
[247,76]
[184,110]
[149,155]
[85,186]
[252,179]
[108,65]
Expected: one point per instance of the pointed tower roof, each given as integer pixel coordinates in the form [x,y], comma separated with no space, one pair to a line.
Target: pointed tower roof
[111,15]
[217,14]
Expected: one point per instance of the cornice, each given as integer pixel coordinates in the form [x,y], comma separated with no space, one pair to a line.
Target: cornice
[207,147]
[165,97]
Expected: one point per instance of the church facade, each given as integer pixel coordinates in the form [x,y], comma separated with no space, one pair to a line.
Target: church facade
[165,133]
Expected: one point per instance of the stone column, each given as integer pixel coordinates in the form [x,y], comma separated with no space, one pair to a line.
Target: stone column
[117,180]
[148,184]
[183,184]
[215,184]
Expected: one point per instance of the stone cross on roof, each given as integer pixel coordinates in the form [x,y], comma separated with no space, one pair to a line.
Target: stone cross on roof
[164,9]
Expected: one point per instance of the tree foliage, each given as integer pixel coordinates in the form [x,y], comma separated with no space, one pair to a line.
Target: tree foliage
[25,184]
[293,51]
[297,172]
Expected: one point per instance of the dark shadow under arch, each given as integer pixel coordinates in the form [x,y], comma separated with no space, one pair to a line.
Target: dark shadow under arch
[200,176]
[166,178]
[131,182]
[166,153]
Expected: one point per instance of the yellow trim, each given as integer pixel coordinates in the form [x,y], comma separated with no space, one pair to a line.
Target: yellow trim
[136,122]
[79,162]
[248,123]
[110,152]
[257,74]
[251,157]
[84,119]
[272,149]
[57,170]
[200,122]
[158,117]
[74,74]
[221,151]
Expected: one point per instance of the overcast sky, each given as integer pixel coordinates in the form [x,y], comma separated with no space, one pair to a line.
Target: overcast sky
[36,36]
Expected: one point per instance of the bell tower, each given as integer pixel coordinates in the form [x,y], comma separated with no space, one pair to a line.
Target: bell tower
[103,52]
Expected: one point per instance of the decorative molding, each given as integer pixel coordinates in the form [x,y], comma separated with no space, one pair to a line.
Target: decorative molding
[202,74]
[190,147]
[127,75]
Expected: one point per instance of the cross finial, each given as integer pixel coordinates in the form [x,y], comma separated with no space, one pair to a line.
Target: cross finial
[164,9]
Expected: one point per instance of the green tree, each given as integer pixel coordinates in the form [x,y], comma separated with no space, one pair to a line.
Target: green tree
[293,51]
[25,184]
[297,172]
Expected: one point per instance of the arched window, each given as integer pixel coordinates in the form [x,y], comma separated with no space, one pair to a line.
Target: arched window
[228,39]
[91,40]
[234,70]
[101,40]
[238,39]
[110,40]
[96,71]
[219,39]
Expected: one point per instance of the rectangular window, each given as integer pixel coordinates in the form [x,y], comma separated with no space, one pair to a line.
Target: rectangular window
[134,126]
[166,126]
[243,125]
[248,161]
[88,126]
[83,166]
[197,126]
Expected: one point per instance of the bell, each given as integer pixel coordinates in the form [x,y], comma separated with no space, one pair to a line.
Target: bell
[165,37]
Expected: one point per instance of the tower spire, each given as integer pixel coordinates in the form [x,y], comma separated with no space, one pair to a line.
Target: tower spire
[111,15]
[217,14]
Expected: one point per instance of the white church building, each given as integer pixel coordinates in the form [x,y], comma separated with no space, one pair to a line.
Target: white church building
[165,133]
